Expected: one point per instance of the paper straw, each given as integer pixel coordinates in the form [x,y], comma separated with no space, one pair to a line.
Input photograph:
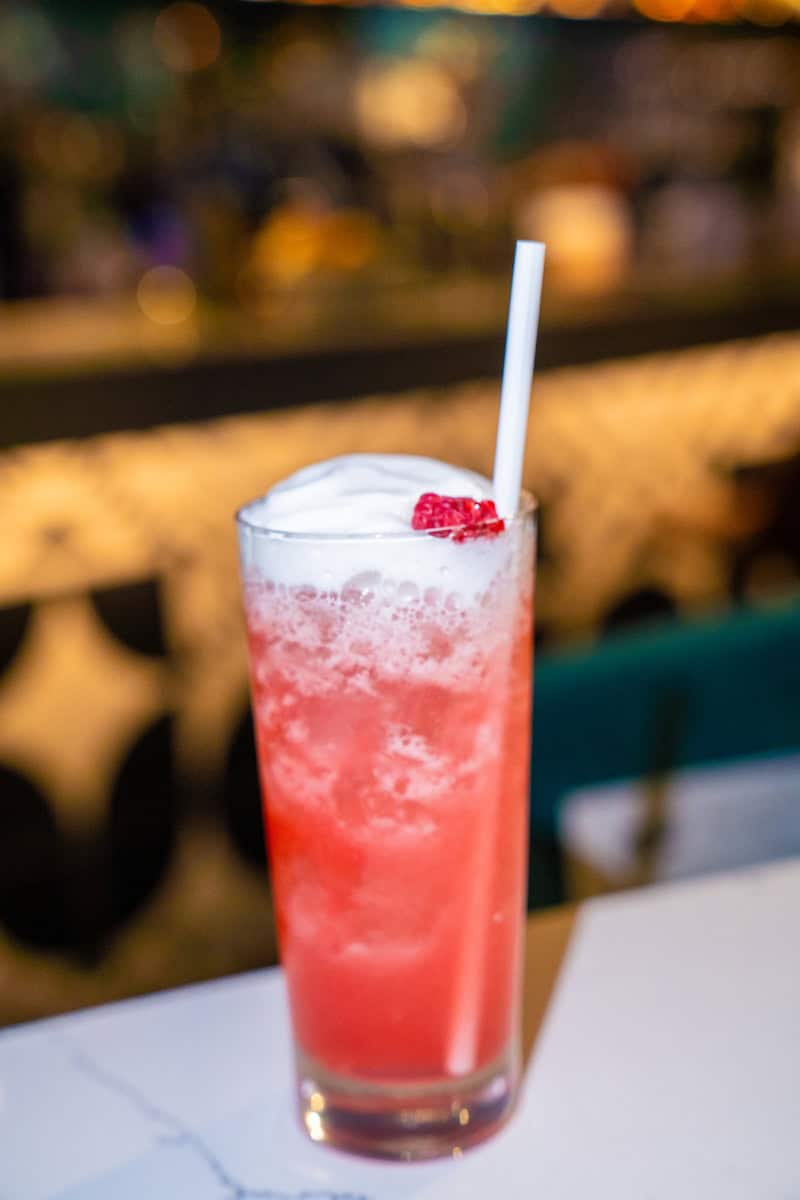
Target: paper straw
[515,394]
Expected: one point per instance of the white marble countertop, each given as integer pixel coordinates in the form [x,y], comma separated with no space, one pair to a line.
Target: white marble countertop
[668,1067]
[183,1094]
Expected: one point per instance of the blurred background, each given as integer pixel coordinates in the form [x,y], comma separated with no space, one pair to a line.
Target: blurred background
[238,237]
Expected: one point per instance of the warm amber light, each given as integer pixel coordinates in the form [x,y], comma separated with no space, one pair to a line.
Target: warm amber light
[714,10]
[770,13]
[351,239]
[759,12]
[409,103]
[577,9]
[287,246]
[187,37]
[664,10]
[166,295]
[588,233]
[80,145]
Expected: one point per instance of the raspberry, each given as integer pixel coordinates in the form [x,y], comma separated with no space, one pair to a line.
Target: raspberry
[458,517]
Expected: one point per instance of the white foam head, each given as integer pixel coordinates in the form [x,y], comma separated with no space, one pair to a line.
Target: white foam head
[346,523]
[360,493]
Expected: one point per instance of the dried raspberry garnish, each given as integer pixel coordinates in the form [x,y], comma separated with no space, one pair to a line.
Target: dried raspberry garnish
[458,517]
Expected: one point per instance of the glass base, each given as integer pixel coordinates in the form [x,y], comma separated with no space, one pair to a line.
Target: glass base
[405,1121]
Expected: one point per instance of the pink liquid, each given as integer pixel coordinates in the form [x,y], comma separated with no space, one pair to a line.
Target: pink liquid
[393,746]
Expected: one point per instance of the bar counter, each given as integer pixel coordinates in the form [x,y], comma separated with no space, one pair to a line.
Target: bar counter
[76,368]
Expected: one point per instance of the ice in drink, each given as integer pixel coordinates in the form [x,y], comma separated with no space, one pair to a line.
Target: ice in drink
[391,684]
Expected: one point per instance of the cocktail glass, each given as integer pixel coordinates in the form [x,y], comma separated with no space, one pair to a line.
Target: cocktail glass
[393,718]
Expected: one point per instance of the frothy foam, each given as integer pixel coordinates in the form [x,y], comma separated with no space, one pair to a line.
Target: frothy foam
[365,646]
[345,524]
[361,493]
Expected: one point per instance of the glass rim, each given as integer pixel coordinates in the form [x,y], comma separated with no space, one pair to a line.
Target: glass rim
[528,508]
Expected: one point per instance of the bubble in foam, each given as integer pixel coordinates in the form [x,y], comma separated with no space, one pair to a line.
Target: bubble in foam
[407,593]
[351,642]
[363,587]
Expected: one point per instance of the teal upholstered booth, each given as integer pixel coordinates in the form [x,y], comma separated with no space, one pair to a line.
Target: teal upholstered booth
[652,702]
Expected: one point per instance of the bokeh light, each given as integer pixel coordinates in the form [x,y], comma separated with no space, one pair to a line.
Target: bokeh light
[410,102]
[166,295]
[80,145]
[588,233]
[351,240]
[578,9]
[452,42]
[287,247]
[29,46]
[769,13]
[187,37]
[664,10]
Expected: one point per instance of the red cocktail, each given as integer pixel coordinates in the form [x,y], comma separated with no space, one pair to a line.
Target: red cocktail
[393,726]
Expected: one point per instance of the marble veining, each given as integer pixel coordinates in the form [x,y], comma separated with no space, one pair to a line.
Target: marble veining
[184,1093]
[188,1093]
[173,1131]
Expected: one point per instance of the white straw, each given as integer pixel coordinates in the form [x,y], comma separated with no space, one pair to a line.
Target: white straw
[515,395]
[523,323]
